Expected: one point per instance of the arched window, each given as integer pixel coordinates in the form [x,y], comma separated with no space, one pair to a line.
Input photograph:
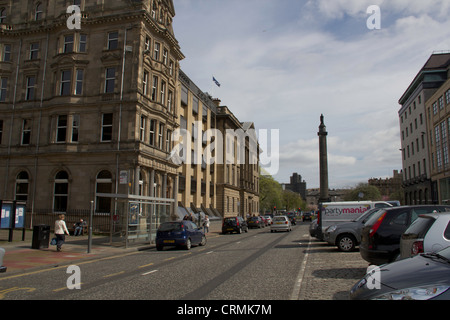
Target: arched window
[22,186]
[103,185]
[61,192]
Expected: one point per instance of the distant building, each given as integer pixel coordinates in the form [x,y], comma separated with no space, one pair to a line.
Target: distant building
[297,185]
[389,186]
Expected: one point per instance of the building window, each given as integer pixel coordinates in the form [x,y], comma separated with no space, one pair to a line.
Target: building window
[157,49]
[6,53]
[38,12]
[29,93]
[61,129]
[2,15]
[171,67]
[107,124]
[68,43]
[163,93]
[152,132]
[110,80]
[113,40]
[168,140]
[75,127]
[104,184]
[447,96]
[61,192]
[147,44]
[161,136]
[142,128]
[79,82]
[154,88]
[145,83]
[82,43]
[66,77]
[435,108]
[169,101]
[3,87]
[195,104]
[1,131]
[22,186]
[441,103]
[34,51]
[26,132]
[165,56]
[184,95]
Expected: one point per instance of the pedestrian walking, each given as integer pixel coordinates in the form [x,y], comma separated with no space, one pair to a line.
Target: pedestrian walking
[206,225]
[60,231]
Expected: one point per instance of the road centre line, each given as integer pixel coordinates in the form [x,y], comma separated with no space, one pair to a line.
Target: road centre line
[150,272]
[114,274]
[146,265]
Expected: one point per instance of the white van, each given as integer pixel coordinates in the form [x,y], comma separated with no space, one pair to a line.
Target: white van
[334,213]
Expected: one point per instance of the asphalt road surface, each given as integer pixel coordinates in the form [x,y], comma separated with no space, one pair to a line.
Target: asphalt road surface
[258,265]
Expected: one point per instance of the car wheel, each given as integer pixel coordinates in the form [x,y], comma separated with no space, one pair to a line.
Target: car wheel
[188,245]
[346,243]
[203,243]
[159,248]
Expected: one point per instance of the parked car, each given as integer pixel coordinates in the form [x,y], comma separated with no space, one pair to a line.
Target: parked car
[306,216]
[179,234]
[347,236]
[2,254]
[314,228]
[255,222]
[234,224]
[424,277]
[280,223]
[380,236]
[429,233]
[269,219]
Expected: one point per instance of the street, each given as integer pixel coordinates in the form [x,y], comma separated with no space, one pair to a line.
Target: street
[258,265]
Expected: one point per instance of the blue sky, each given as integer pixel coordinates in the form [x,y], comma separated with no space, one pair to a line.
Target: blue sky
[282,63]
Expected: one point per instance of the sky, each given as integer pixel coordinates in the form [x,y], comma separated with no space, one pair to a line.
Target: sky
[283,63]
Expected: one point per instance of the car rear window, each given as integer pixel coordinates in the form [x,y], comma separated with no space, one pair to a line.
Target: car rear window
[170,226]
[279,219]
[447,232]
[419,228]
[375,217]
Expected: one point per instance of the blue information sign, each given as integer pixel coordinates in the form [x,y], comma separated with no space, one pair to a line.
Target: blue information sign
[6,215]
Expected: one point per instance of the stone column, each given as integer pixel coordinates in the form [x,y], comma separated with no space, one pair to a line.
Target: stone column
[323,161]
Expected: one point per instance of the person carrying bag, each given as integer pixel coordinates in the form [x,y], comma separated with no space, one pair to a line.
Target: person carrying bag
[60,231]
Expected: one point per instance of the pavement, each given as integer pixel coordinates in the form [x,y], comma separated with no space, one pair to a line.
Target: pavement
[20,257]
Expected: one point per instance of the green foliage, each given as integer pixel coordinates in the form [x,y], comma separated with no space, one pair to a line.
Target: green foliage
[363,191]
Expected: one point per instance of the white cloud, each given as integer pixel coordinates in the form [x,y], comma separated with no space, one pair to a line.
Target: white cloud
[282,72]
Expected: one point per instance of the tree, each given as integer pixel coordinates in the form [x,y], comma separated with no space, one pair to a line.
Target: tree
[270,193]
[292,200]
[363,191]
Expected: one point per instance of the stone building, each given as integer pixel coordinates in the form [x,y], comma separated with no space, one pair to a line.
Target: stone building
[93,109]
[438,122]
[415,136]
[87,110]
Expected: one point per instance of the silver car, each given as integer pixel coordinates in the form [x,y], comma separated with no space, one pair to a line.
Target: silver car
[429,233]
[347,236]
[280,223]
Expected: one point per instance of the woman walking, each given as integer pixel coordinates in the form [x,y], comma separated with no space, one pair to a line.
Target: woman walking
[60,231]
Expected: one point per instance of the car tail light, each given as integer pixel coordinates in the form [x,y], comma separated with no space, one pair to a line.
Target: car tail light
[377,224]
[417,248]
[285,222]
[237,223]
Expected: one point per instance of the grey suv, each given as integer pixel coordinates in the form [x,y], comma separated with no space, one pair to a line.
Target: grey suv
[347,236]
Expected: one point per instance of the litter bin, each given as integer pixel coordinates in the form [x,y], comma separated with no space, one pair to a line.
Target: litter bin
[2,254]
[41,237]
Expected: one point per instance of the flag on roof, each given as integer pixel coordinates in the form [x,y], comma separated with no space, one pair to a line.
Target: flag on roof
[216,82]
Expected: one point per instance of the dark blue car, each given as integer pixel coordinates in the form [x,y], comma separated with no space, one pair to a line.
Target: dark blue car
[179,234]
